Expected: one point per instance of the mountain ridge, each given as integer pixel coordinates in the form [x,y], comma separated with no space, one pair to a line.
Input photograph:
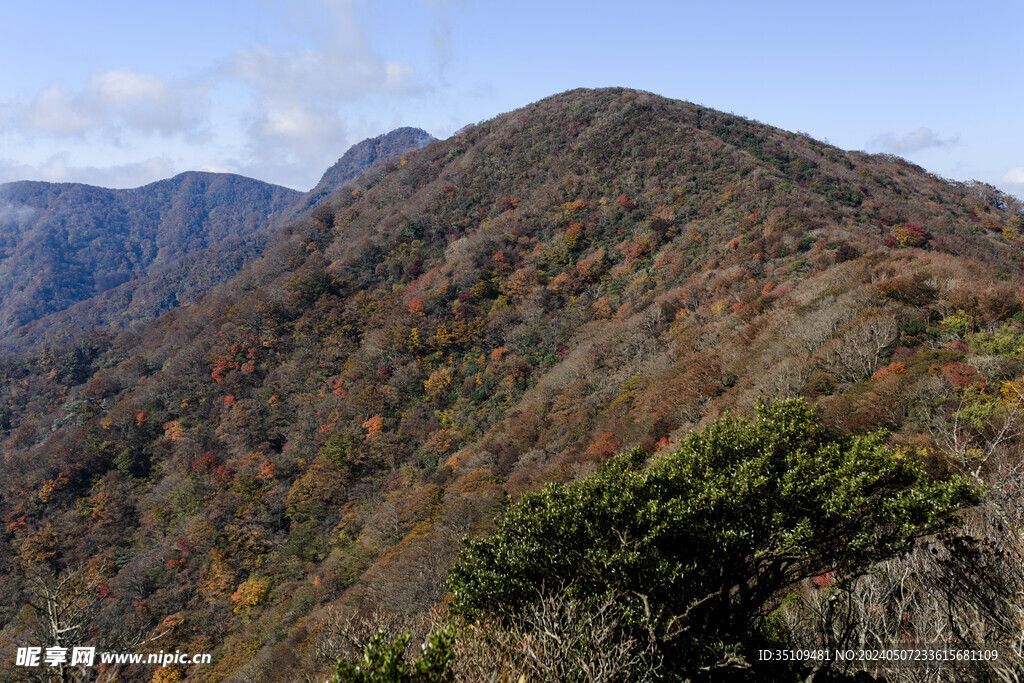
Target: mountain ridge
[196,229]
[70,242]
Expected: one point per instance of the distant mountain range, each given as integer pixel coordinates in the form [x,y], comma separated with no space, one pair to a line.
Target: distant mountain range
[74,257]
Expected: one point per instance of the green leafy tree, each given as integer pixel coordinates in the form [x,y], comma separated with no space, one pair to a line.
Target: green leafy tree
[384,662]
[699,544]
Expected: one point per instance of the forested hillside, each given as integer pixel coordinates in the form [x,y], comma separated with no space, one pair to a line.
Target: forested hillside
[362,156]
[603,270]
[67,243]
[74,258]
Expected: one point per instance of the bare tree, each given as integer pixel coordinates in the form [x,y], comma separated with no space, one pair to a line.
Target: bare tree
[65,602]
[852,354]
[963,590]
[555,639]
[969,445]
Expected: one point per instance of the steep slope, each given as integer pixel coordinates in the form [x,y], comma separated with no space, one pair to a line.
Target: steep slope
[509,307]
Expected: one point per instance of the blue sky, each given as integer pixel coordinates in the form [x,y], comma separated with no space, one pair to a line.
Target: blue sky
[121,93]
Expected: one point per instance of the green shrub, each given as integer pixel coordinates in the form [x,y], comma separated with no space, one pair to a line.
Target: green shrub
[698,544]
[384,662]
[1007,340]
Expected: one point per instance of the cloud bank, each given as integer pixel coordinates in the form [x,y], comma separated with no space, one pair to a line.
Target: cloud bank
[920,139]
[57,169]
[113,102]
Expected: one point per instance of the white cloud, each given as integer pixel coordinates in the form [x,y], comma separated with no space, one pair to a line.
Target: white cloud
[293,123]
[398,75]
[1012,182]
[113,102]
[216,167]
[301,98]
[293,143]
[56,111]
[337,66]
[341,72]
[922,138]
[124,87]
[292,132]
[441,29]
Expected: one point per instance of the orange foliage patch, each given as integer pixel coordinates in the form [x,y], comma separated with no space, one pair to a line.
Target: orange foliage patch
[897,368]
[373,426]
[605,447]
[173,430]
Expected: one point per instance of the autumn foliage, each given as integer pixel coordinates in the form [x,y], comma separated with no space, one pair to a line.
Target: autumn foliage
[599,271]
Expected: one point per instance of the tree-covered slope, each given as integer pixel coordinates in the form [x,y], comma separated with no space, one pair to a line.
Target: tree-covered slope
[77,258]
[362,156]
[67,243]
[510,307]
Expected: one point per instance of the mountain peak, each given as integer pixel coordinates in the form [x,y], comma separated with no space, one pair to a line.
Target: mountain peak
[365,154]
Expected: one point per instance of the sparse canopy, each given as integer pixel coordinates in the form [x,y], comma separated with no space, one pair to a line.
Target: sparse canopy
[699,542]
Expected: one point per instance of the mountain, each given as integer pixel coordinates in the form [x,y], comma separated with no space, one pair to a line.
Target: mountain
[67,243]
[362,156]
[499,311]
[75,257]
